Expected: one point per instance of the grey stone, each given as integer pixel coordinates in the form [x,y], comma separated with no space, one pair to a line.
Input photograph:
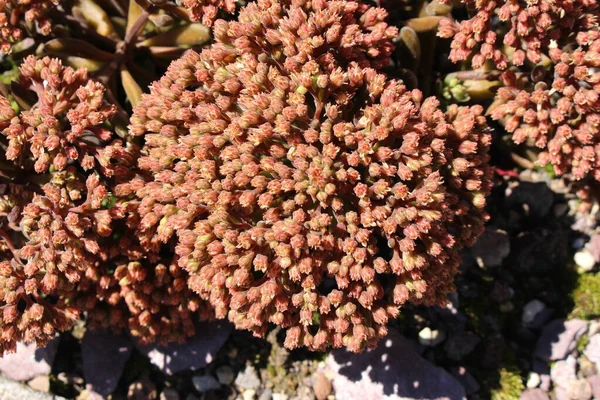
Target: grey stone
[492,247]
[579,389]
[594,382]
[564,371]
[11,390]
[29,362]
[559,338]
[169,394]
[104,356]
[248,378]
[534,394]
[225,374]
[392,371]
[466,379]
[205,383]
[592,350]
[196,352]
[267,394]
[531,311]
[459,345]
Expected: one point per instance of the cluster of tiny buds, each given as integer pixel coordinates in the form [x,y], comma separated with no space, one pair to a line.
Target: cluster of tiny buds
[529,30]
[303,190]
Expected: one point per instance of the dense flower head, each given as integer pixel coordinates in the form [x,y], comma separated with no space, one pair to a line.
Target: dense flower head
[296,31]
[527,28]
[57,215]
[305,191]
[67,122]
[17,15]
[151,300]
[561,112]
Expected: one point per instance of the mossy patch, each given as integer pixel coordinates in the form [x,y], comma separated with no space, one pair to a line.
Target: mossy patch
[510,386]
[586,297]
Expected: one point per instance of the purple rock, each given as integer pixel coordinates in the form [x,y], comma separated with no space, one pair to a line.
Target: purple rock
[559,338]
[466,379]
[595,384]
[594,247]
[392,371]
[29,362]
[104,356]
[564,371]
[561,394]
[198,351]
[534,394]
[592,350]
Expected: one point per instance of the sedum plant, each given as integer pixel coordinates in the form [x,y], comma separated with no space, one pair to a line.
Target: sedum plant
[303,188]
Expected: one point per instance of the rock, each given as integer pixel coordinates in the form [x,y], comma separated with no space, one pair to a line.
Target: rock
[592,350]
[11,390]
[460,345]
[267,394]
[466,379]
[225,374]
[431,338]
[559,338]
[564,371]
[248,378]
[584,260]
[104,356]
[543,370]
[205,383]
[142,389]
[586,367]
[593,246]
[40,383]
[392,371]
[534,394]
[169,394]
[249,394]
[535,199]
[594,382]
[560,394]
[531,311]
[579,389]
[492,247]
[279,396]
[321,385]
[198,350]
[594,327]
[533,380]
[29,362]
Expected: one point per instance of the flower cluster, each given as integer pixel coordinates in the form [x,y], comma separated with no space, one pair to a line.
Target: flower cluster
[17,15]
[527,28]
[206,10]
[560,113]
[55,214]
[300,186]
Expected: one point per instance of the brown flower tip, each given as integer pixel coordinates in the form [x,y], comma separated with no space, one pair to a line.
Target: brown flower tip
[305,190]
